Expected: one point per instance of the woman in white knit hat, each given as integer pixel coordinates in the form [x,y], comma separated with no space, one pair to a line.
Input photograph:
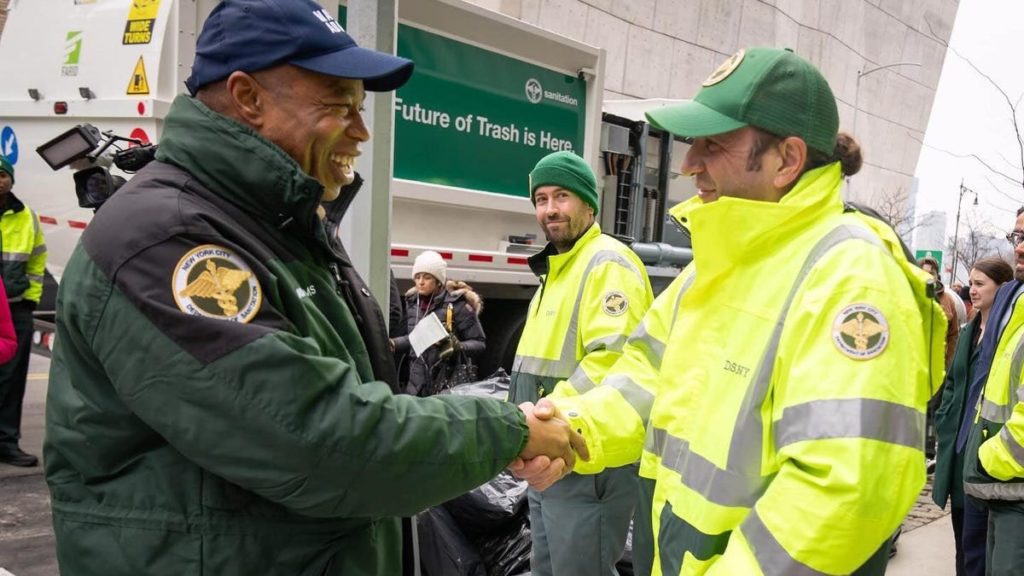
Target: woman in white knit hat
[433,293]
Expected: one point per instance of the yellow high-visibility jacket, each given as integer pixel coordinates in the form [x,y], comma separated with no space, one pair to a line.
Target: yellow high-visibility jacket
[589,300]
[997,437]
[775,392]
[23,252]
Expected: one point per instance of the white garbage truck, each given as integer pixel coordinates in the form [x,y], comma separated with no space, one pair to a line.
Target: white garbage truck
[490,96]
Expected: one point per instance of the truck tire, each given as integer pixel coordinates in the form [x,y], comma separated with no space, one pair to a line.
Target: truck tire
[503,322]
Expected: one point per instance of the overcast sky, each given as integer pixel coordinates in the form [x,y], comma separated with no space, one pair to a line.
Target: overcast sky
[970,116]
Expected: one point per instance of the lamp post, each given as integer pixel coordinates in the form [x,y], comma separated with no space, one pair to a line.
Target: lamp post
[956,229]
[856,99]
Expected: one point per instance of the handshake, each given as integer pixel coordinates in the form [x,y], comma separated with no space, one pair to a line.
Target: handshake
[551,449]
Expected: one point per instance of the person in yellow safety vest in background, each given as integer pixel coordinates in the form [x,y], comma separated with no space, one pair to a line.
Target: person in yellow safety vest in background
[593,293]
[994,455]
[22,266]
[775,392]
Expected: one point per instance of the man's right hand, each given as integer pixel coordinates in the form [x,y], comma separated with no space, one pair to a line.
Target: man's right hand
[551,448]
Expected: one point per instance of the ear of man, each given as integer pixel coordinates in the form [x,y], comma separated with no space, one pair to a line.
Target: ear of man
[247,99]
[793,155]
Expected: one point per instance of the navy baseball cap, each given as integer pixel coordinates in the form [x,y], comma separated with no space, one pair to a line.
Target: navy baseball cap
[253,35]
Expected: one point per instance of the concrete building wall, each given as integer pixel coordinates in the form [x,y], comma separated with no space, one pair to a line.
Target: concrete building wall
[666,48]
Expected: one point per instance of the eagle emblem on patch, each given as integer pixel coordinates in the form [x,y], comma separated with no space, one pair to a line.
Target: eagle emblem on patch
[615,303]
[213,281]
[723,71]
[860,331]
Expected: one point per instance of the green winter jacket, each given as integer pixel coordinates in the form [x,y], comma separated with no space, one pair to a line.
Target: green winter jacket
[949,465]
[214,402]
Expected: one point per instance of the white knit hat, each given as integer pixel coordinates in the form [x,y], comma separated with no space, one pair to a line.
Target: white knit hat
[431,263]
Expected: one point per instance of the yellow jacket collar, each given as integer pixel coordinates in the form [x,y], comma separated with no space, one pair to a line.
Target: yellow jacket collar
[550,259]
[728,231]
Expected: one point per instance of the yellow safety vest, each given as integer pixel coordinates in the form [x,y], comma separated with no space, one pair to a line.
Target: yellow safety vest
[589,300]
[775,392]
[22,251]
[1002,407]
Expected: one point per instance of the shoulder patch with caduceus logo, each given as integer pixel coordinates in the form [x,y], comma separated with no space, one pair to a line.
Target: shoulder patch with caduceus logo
[614,303]
[213,281]
[860,331]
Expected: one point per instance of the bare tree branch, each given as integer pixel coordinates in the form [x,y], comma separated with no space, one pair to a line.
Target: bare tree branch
[973,244]
[1012,179]
[894,206]
[1009,103]
[1000,208]
[1000,191]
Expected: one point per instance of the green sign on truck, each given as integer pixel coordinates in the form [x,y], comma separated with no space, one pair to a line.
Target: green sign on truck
[476,119]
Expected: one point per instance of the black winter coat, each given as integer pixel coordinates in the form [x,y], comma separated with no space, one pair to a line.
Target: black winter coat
[466,307]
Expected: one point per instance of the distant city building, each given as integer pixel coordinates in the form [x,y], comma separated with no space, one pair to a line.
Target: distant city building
[930,233]
[907,226]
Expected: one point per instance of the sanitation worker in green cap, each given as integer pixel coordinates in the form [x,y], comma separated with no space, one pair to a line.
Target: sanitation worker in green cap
[774,395]
[594,291]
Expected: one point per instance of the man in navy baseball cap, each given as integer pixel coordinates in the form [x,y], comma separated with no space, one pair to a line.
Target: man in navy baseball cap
[253,35]
[230,368]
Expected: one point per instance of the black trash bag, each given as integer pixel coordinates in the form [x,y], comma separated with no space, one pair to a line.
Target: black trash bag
[455,371]
[444,549]
[490,508]
[495,386]
[507,553]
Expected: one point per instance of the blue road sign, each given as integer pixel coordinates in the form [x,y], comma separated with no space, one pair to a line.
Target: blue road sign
[9,144]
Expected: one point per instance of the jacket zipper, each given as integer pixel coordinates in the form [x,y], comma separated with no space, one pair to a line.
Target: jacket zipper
[343,290]
[540,299]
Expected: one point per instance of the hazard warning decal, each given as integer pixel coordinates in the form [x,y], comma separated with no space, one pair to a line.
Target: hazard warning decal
[139,27]
[138,84]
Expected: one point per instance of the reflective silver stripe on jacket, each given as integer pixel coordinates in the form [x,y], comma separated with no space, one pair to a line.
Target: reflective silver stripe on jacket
[770,555]
[1016,450]
[1010,491]
[580,381]
[850,418]
[653,348]
[559,368]
[741,482]
[566,365]
[638,397]
[715,484]
[14,256]
[613,343]
[1000,413]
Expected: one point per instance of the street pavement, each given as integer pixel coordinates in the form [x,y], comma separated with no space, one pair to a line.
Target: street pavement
[26,535]
[27,544]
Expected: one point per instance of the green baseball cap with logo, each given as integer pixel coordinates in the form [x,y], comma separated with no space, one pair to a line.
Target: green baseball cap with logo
[767,88]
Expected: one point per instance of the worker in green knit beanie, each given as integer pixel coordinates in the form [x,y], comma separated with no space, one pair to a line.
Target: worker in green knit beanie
[594,292]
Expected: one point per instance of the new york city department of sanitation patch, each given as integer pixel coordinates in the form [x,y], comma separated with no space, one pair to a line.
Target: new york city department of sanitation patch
[215,282]
[860,331]
[614,303]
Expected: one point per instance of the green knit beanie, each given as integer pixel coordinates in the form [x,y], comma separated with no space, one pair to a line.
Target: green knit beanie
[6,166]
[568,171]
